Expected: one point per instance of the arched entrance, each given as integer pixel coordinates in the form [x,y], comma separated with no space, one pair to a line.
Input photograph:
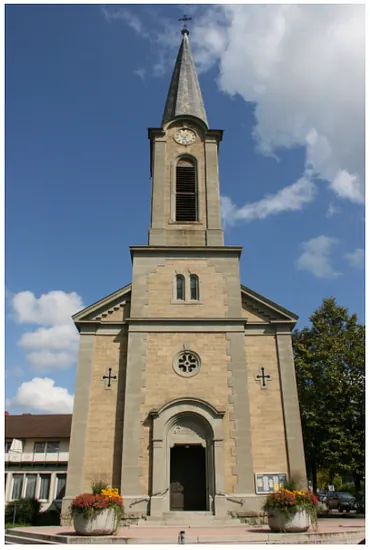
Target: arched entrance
[187,457]
[189,439]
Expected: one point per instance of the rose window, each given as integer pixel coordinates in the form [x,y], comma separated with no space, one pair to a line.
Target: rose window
[187,363]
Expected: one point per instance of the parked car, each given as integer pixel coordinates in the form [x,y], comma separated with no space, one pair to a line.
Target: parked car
[343,502]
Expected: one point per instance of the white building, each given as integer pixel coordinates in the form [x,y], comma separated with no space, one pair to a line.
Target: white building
[36,457]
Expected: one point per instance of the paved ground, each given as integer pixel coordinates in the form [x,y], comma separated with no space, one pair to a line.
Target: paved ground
[332,525]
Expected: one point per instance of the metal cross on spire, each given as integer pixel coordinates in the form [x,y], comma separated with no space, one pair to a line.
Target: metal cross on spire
[185,19]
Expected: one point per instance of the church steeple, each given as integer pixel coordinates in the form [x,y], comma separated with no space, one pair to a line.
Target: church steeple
[184,95]
[185,208]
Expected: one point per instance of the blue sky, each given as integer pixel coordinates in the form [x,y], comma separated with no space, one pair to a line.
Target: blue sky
[83,84]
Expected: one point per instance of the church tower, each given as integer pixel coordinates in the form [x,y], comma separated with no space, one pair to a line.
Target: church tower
[184,165]
[185,395]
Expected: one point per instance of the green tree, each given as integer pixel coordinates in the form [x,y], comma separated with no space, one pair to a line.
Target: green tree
[330,367]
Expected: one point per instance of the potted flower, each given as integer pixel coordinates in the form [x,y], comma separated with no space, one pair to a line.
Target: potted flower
[97,513]
[291,511]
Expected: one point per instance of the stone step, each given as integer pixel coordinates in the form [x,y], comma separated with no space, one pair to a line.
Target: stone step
[33,537]
[185,525]
[187,519]
[348,537]
[17,539]
[181,514]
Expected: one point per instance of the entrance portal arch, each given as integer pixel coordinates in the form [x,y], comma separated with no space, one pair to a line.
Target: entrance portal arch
[186,431]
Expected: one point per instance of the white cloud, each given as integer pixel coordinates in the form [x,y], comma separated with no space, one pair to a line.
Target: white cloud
[140,73]
[41,394]
[55,344]
[316,257]
[113,14]
[356,258]
[290,198]
[332,209]
[45,359]
[54,308]
[348,186]
[303,67]
[57,337]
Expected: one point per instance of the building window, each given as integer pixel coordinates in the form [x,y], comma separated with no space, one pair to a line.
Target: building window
[28,483]
[31,485]
[17,486]
[8,444]
[180,287]
[46,447]
[52,446]
[39,447]
[186,191]
[44,486]
[61,486]
[186,363]
[194,287]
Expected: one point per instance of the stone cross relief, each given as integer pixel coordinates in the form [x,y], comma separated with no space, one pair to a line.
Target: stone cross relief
[108,378]
[262,378]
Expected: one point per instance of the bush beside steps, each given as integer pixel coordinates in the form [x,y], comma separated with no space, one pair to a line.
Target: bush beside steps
[27,513]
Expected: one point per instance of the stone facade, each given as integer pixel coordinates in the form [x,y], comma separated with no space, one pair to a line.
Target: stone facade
[163,384]
[254,435]
[125,433]
[267,422]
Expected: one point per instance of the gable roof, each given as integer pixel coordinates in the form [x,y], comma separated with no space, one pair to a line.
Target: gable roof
[104,304]
[269,310]
[266,306]
[25,426]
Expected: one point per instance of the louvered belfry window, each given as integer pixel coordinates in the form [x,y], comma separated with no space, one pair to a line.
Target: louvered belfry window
[186,191]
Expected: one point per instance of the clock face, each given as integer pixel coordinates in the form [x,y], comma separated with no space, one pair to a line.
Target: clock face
[185,136]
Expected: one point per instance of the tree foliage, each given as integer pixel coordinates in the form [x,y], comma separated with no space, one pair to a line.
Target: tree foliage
[330,368]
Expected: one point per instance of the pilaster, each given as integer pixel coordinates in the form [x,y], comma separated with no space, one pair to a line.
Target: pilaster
[215,236]
[240,400]
[75,476]
[130,479]
[158,187]
[292,418]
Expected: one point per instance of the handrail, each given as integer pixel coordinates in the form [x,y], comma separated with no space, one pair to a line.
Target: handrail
[160,493]
[142,499]
[230,497]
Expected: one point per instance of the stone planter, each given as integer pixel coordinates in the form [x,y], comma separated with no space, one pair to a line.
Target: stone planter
[280,523]
[102,522]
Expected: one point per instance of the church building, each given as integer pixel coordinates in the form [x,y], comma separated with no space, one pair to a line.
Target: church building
[186,396]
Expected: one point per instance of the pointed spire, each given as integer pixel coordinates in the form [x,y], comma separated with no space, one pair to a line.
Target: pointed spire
[184,95]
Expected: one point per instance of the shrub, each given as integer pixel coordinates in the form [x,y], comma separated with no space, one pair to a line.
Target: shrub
[290,484]
[27,511]
[98,486]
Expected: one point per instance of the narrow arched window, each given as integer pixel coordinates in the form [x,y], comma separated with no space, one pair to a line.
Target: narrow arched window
[194,287]
[180,287]
[186,191]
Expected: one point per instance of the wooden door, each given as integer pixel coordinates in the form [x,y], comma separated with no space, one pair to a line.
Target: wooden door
[188,478]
